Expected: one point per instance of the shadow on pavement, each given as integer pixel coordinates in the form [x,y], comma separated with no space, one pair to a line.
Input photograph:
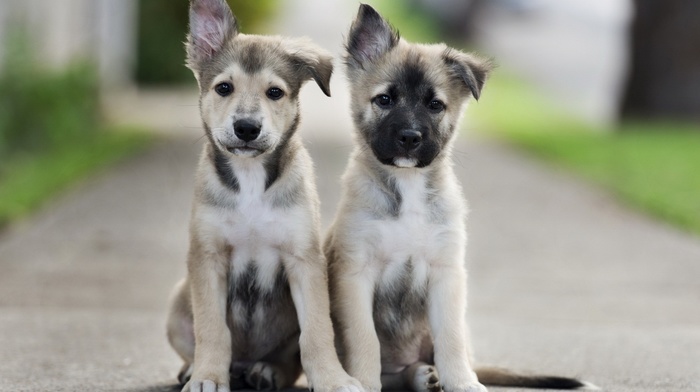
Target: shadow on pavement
[177,387]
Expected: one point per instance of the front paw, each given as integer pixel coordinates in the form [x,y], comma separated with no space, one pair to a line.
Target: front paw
[343,383]
[195,385]
[371,388]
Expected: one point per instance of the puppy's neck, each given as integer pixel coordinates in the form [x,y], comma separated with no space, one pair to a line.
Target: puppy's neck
[253,174]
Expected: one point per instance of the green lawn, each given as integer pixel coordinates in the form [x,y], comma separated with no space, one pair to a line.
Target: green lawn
[51,133]
[654,165]
[28,181]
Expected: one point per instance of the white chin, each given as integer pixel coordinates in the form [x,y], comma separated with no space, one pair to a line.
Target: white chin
[405,162]
[246,152]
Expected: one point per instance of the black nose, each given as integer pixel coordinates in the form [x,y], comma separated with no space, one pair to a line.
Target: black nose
[409,139]
[246,130]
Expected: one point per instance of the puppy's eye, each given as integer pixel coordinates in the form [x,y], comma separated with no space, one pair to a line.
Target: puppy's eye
[223,89]
[436,105]
[274,93]
[383,101]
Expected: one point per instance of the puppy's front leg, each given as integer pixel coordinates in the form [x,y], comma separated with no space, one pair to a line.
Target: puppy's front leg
[308,282]
[212,351]
[447,304]
[353,297]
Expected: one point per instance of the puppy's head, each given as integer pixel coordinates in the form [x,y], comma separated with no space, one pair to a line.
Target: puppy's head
[407,98]
[249,84]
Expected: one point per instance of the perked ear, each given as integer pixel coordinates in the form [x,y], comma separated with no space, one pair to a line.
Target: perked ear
[212,24]
[471,70]
[312,62]
[370,37]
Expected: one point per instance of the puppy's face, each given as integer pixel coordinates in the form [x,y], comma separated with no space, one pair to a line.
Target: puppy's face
[249,85]
[406,98]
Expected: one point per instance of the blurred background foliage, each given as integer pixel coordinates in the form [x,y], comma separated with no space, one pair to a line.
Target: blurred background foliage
[42,109]
[411,19]
[162,27]
[51,132]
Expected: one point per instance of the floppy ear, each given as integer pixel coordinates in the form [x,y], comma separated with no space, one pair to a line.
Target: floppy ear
[370,37]
[211,25]
[471,70]
[312,62]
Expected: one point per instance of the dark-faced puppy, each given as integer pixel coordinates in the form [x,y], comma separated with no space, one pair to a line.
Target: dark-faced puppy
[254,306]
[396,248]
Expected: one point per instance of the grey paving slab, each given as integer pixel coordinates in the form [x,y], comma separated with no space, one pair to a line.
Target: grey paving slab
[566,279]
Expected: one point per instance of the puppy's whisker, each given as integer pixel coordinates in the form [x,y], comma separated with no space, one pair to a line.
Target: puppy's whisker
[198,139]
[458,162]
[339,146]
[460,152]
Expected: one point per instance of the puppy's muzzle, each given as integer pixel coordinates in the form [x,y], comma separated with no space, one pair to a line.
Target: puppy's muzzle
[246,130]
[409,139]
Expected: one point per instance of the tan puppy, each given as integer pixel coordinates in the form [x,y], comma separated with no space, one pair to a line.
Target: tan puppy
[396,248]
[254,306]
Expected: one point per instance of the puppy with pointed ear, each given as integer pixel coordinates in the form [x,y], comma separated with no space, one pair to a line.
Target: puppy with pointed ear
[254,307]
[396,247]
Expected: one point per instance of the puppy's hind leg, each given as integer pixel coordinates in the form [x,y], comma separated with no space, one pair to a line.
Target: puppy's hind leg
[277,371]
[180,328]
[419,377]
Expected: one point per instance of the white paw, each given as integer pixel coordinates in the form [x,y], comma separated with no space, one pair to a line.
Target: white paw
[340,384]
[348,388]
[350,385]
[426,379]
[204,386]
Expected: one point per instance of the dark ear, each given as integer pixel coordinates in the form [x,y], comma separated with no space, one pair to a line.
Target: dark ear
[370,37]
[312,62]
[471,70]
[211,25]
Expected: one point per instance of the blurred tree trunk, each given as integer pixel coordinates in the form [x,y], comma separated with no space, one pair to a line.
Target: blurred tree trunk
[664,77]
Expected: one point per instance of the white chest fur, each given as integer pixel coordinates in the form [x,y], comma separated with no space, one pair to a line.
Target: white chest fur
[255,228]
[414,235]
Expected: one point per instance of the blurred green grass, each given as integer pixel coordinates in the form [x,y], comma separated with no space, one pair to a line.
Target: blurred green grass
[28,181]
[50,130]
[651,165]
